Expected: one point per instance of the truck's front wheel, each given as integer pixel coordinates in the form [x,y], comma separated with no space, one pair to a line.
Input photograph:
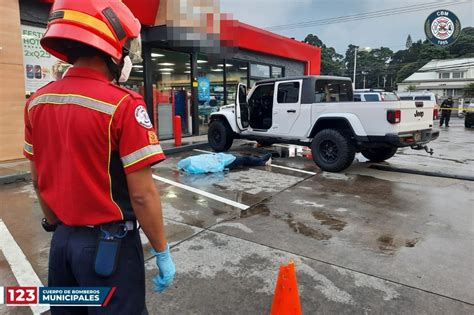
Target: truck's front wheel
[379,154]
[220,136]
[332,150]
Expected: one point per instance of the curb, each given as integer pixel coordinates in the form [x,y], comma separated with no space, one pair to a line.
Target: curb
[184,148]
[26,176]
[14,178]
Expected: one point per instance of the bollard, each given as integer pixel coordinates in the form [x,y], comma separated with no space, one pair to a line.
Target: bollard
[177,130]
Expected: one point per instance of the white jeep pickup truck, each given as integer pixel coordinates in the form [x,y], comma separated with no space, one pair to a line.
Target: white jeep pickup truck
[319,112]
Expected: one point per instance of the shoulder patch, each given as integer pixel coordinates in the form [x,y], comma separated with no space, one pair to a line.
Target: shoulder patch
[141,115]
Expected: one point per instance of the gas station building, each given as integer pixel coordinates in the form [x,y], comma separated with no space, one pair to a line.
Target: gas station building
[192,62]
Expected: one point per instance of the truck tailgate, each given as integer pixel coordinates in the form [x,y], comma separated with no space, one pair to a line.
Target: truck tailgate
[415,115]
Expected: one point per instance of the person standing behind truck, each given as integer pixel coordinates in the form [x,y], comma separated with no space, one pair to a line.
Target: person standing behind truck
[446,108]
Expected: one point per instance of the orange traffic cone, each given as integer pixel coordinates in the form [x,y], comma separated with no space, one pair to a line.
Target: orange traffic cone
[286,300]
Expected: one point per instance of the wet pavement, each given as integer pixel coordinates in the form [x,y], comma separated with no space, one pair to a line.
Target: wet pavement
[453,153]
[364,241]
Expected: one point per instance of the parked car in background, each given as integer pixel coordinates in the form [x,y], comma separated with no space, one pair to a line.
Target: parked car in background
[469,115]
[369,95]
[421,96]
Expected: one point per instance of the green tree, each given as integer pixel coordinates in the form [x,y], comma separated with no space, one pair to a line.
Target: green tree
[331,62]
[371,65]
[469,90]
[464,46]
[407,70]
[405,62]
[411,88]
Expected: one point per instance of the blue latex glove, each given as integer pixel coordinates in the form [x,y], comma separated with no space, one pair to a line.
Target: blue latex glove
[166,269]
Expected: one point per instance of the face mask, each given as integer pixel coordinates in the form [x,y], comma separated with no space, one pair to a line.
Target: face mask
[126,69]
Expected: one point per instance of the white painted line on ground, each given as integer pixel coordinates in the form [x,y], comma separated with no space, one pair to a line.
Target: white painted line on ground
[293,169]
[202,193]
[20,266]
[203,151]
[274,165]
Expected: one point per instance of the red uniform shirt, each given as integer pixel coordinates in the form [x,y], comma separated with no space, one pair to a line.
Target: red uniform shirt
[84,134]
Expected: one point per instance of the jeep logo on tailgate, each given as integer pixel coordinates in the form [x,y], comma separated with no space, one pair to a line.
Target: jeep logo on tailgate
[419,114]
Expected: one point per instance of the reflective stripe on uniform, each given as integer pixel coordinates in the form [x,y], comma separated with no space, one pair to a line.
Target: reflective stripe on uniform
[63,99]
[28,148]
[141,154]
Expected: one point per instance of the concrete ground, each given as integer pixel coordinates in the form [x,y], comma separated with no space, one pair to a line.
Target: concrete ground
[364,241]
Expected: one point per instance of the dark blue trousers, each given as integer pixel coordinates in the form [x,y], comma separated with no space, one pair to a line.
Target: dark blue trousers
[71,264]
[249,161]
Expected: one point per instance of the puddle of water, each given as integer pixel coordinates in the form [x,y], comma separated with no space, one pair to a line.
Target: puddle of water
[305,230]
[388,243]
[327,219]
[255,210]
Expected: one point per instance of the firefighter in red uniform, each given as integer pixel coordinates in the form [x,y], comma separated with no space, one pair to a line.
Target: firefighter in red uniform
[91,145]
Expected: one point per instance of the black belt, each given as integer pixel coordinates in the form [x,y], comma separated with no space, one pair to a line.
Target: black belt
[129,225]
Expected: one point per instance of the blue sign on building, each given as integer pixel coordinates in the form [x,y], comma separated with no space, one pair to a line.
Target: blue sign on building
[204,89]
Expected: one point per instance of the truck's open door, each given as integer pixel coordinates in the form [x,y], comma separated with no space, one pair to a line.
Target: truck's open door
[242,114]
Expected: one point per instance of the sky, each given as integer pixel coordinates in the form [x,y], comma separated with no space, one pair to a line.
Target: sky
[388,31]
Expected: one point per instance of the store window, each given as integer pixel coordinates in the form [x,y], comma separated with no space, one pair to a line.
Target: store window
[259,71]
[277,72]
[171,80]
[210,87]
[236,72]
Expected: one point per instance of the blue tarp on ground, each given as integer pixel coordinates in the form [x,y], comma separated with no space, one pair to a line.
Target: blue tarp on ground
[206,163]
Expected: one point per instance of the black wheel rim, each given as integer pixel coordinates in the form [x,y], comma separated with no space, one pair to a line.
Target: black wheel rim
[329,151]
[216,136]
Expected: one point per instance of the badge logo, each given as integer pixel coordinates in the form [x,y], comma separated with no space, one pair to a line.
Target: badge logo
[442,27]
[141,115]
[152,138]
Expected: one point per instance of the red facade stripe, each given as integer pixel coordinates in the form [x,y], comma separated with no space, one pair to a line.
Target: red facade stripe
[244,36]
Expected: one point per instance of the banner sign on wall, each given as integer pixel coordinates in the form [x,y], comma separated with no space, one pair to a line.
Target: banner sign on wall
[204,92]
[40,67]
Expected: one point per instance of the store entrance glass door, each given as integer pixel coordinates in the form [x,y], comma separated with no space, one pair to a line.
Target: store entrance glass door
[171,91]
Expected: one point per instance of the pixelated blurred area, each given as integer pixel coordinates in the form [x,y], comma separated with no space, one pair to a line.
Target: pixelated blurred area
[197,24]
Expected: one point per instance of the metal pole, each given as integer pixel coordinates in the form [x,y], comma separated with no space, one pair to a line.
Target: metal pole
[364,82]
[148,82]
[225,83]
[194,94]
[355,66]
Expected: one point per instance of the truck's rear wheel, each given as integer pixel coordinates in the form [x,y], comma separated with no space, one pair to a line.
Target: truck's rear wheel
[379,154]
[220,136]
[332,150]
